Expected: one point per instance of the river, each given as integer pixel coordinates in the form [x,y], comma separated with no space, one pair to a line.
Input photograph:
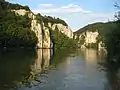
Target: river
[65,70]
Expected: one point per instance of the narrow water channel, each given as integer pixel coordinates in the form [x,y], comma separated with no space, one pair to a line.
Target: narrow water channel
[66,70]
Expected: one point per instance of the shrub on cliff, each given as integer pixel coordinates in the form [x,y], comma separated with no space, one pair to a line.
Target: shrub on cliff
[61,41]
[15,30]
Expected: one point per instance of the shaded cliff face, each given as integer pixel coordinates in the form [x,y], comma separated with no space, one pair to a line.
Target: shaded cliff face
[95,34]
[42,31]
[89,39]
[85,39]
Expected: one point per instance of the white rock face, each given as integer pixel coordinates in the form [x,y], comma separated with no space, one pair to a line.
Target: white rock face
[42,32]
[20,12]
[36,27]
[91,37]
[101,46]
[64,29]
[46,38]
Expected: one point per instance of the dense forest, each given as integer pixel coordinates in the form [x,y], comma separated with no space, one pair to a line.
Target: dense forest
[14,29]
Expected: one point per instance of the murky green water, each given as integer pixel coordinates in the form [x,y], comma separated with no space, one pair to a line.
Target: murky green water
[65,70]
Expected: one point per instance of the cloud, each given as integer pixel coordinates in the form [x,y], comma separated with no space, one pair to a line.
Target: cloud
[80,20]
[46,5]
[70,8]
[75,16]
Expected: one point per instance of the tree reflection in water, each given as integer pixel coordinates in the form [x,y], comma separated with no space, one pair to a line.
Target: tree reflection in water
[113,75]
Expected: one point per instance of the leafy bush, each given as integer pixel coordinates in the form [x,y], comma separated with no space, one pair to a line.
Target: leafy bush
[61,41]
[47,19]
[15,30]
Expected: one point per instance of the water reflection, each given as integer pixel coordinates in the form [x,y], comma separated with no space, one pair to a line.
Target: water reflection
[81,70]
[93,56]
[113,76]
[37,66]
[98,61]
[21,66]
[90,55]
[46,57]
[14,66]
[42,61]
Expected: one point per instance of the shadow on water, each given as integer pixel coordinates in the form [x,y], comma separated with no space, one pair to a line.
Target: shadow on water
[14,66]
[61,55]
[113,75]
[24,67]
[111,68]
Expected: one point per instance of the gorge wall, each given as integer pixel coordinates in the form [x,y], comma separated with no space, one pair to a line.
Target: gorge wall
[42,31]
[42,26]
[89,37]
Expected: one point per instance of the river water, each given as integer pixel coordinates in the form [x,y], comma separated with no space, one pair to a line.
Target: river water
[65,70]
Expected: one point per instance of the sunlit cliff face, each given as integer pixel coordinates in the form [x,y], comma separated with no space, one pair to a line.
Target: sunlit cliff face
[44,41]
[91,37]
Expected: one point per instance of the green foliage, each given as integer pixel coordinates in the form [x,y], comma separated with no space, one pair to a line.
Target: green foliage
[47,19]
[15,30]
[112,42]
[61,41]
[102,28]
[82,40]
[109,33]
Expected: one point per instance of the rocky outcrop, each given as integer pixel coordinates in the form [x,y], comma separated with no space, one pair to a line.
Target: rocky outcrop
[64,29]
[89,39]
[47,43]
[42,31]
[36,27]
[21,12]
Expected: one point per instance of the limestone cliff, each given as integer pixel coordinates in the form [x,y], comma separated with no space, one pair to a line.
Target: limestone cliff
[64,29]
[89,39]
[42,30]
[94,34]
[35,26]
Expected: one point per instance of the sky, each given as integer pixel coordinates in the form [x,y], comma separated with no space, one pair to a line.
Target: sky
[77,13]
